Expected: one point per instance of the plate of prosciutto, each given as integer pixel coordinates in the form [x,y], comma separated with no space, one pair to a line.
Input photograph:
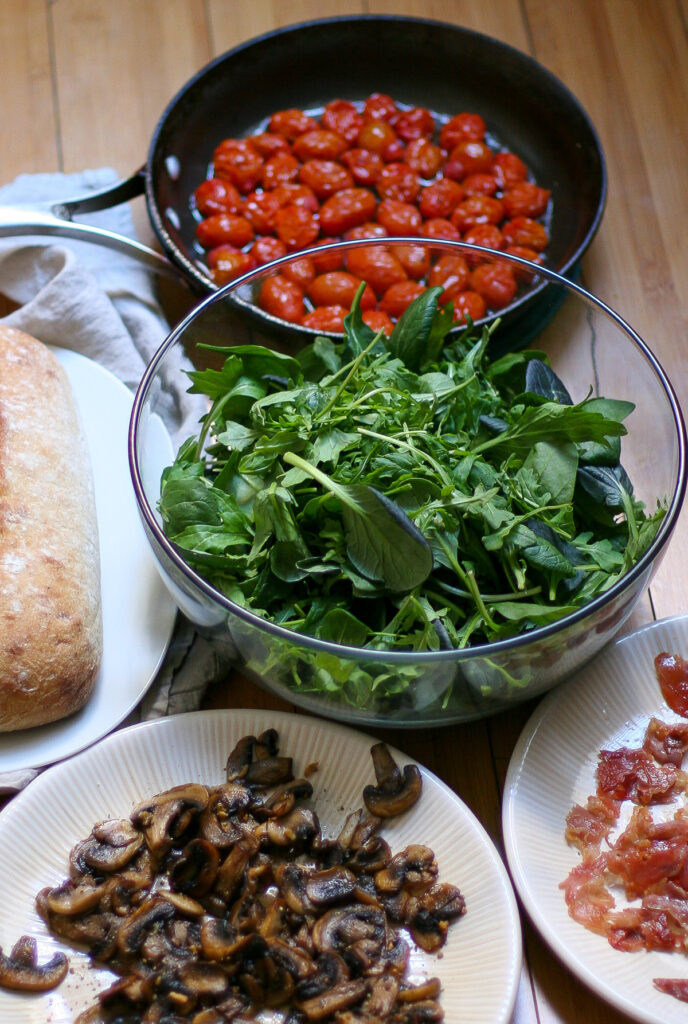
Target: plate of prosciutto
[599,855]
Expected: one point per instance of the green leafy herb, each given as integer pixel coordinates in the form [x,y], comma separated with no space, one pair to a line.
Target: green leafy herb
[403,493]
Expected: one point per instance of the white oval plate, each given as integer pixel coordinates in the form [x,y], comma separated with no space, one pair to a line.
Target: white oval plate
[138,612]
[607,704]
[480,964]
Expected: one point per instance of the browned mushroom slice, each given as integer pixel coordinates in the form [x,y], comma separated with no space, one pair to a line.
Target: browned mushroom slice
[166,816]
[429,989]
[334,885]
[284,799]
[339,997]
[206,981]
[231,871]
[426,1011]
[396,791]
[71,899]
[291,957]
[434,912]
[133,929]
[194,869]
[291,879]
[21,972]
[294,830]
[353,931]
[414,869]
[255,762]
[382,997]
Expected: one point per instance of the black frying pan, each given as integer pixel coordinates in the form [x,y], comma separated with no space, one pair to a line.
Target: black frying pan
[419,62]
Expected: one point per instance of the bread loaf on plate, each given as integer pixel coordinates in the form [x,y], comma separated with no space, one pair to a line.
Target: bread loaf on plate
[51,634]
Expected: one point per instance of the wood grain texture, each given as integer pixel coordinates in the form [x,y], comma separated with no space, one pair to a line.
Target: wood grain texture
[85,81]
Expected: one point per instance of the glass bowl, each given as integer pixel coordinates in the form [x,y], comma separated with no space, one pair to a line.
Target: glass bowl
[592,351]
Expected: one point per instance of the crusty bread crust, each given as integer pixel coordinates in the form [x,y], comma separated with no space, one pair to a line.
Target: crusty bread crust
[51,635]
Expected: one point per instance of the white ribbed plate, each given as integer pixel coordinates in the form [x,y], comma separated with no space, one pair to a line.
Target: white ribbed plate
[481,961]
[607,704]
[138,612]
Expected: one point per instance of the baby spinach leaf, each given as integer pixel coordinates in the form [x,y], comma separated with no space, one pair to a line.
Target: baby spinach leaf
[542,380]
[409,339]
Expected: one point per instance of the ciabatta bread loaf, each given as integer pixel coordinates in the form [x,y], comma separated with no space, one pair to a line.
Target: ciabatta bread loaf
[50,603]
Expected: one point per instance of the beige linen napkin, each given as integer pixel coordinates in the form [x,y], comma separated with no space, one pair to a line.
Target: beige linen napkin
[102,304]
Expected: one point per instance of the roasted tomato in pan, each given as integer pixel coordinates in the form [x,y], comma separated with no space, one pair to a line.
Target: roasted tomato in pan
[371,169]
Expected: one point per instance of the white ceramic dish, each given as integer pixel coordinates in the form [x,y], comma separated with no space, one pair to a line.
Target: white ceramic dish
[608,705]
[481,962]
[138,613]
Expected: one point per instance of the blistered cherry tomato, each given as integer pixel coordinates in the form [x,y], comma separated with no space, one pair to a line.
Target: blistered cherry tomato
[468,304]
[378,137]
[296,226]
[440,198]
[400,295]
[346,209]
[325,177]
[376,265]
[231,266]
[267,248]
[495,282]
[525,231]
[469,156]
[450,273]
[283,298]
[220,252]
[487,235]
[477,210]
[399,181]
[379,107]
[415,259]
[217,196]
[508,169]
[269,143]
[399,218]
[300,271]
[522,273]
[224,227]
[338,288]
[460,127]
[414,123]
[318,144]
[325,261]
[341,116]
[238,161]
[479,184]
[260,209]
[363,164]
[440,227]
[326,318]
[371,229]
[301,195]
[377,321]
[291,123]
[279,169]
[424,157]
[524,199]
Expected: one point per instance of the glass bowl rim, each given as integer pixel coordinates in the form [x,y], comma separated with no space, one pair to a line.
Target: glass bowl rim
[405,657]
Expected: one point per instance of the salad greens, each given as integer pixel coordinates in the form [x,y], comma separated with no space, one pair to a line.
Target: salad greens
[404,492]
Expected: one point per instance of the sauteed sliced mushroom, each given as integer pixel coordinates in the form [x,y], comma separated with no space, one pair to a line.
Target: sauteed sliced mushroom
[21,971]
[214,903]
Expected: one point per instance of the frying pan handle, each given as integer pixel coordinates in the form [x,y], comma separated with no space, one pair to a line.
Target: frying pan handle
[56,219]
[113,195]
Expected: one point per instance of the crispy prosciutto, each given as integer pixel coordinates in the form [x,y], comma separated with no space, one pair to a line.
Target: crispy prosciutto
[667,742]
[649,854]
[647,862]
[672,675]
[676,987]
[633,774]
[587,827]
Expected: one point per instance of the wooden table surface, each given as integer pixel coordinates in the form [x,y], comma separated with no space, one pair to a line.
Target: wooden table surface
[83,83]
